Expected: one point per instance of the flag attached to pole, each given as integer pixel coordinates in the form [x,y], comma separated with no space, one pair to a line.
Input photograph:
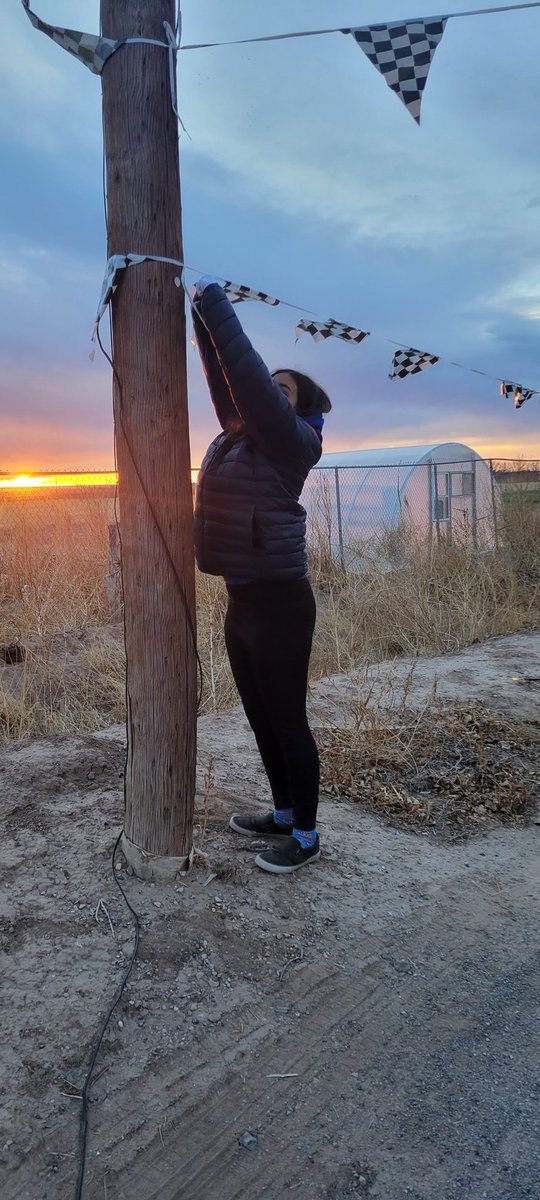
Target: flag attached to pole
[93,51]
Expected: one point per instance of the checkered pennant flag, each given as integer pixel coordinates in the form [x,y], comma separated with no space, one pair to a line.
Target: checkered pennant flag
[403,54]
[519,393]
[238,291]
[409,362]
[91,50]
[520,396]
[320,330]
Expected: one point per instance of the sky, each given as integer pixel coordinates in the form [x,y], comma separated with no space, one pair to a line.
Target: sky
[306,178]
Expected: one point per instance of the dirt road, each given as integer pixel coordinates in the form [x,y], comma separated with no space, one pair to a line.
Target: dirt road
[372,1022]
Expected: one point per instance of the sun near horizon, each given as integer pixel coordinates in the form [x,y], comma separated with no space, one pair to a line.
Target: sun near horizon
[28,476]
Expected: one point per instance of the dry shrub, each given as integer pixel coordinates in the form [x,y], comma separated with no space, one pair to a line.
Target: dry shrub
[432,600]
[521,536]
[56,689]
[445,766]
[402,598]
[219,689]
[53,566]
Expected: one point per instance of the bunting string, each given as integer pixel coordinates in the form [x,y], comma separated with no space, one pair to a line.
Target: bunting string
[405,362]
[280,37]
[402,51]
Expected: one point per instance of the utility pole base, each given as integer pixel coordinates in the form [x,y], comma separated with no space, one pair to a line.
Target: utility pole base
[155,867]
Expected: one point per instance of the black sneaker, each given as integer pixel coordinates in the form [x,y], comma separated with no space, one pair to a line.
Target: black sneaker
[290,856]
[254,825]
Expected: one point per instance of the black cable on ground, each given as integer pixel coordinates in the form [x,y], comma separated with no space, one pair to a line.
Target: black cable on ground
[83,1127]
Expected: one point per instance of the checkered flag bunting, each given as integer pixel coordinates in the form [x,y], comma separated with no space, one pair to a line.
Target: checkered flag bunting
[519,393]
[238,291]
[91,50]
[409,362]
[404,362]
[320,330]
[403,54]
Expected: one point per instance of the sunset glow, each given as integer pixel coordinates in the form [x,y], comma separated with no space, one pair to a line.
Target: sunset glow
[107,478]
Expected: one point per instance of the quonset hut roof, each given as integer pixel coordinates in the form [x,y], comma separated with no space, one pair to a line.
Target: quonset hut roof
[394,455]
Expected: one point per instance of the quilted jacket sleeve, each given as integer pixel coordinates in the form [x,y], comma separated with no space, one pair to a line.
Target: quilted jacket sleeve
[217,383]
[270,419]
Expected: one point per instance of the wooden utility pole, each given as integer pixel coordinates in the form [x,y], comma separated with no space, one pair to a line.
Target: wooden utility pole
[152,440]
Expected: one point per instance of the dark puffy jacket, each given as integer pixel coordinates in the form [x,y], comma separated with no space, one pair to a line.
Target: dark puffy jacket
[249,523]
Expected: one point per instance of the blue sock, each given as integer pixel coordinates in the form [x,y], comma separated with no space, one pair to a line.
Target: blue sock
[306,838]
[283,816]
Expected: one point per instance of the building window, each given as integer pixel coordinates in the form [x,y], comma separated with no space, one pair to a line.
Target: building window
[463,484]
[442,500]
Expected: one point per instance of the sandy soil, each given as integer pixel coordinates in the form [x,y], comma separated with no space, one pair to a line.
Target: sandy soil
[372,1022]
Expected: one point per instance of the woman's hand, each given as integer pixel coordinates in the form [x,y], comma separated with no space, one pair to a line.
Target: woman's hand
[203,283]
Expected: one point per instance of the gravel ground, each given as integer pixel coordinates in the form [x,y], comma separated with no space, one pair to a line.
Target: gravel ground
[368,1027]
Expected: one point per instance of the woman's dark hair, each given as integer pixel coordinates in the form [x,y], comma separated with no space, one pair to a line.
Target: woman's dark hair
[311,398]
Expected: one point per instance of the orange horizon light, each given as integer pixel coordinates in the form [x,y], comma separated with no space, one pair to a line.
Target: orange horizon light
[86,479]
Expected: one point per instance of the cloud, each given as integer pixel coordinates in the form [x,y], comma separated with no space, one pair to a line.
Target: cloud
[306,177]
[519,296]
[46,97]
[289,127]
[49,407]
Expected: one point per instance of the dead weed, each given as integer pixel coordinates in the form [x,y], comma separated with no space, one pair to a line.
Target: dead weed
[450,768]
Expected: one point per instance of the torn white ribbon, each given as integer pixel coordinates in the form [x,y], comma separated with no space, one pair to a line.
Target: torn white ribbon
[117,263]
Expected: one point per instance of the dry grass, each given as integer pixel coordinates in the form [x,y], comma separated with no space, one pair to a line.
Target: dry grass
[411,600]
[53,567]
[449,768]
[431,600]
[63,687]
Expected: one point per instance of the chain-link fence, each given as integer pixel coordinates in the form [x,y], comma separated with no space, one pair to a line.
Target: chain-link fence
[353,512]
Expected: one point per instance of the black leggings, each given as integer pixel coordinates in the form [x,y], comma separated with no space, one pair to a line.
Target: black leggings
[268,633]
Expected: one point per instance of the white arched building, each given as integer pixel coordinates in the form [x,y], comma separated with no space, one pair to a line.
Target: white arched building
[358,497]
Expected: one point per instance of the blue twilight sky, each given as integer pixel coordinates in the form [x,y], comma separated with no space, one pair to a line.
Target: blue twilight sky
[305,178]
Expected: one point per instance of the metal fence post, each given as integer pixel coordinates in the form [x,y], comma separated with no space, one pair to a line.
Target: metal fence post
[113,580]
[450,478]
[494,504]
[340,526]
[430,502]
[436,503]
[474,507]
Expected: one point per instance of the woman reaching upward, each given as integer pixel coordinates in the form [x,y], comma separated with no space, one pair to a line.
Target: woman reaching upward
[251,528]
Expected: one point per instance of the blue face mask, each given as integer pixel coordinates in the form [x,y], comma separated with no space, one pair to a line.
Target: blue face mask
[316,420]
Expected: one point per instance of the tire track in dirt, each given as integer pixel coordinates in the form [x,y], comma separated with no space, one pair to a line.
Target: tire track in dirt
[438,1023]
[208,1129]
